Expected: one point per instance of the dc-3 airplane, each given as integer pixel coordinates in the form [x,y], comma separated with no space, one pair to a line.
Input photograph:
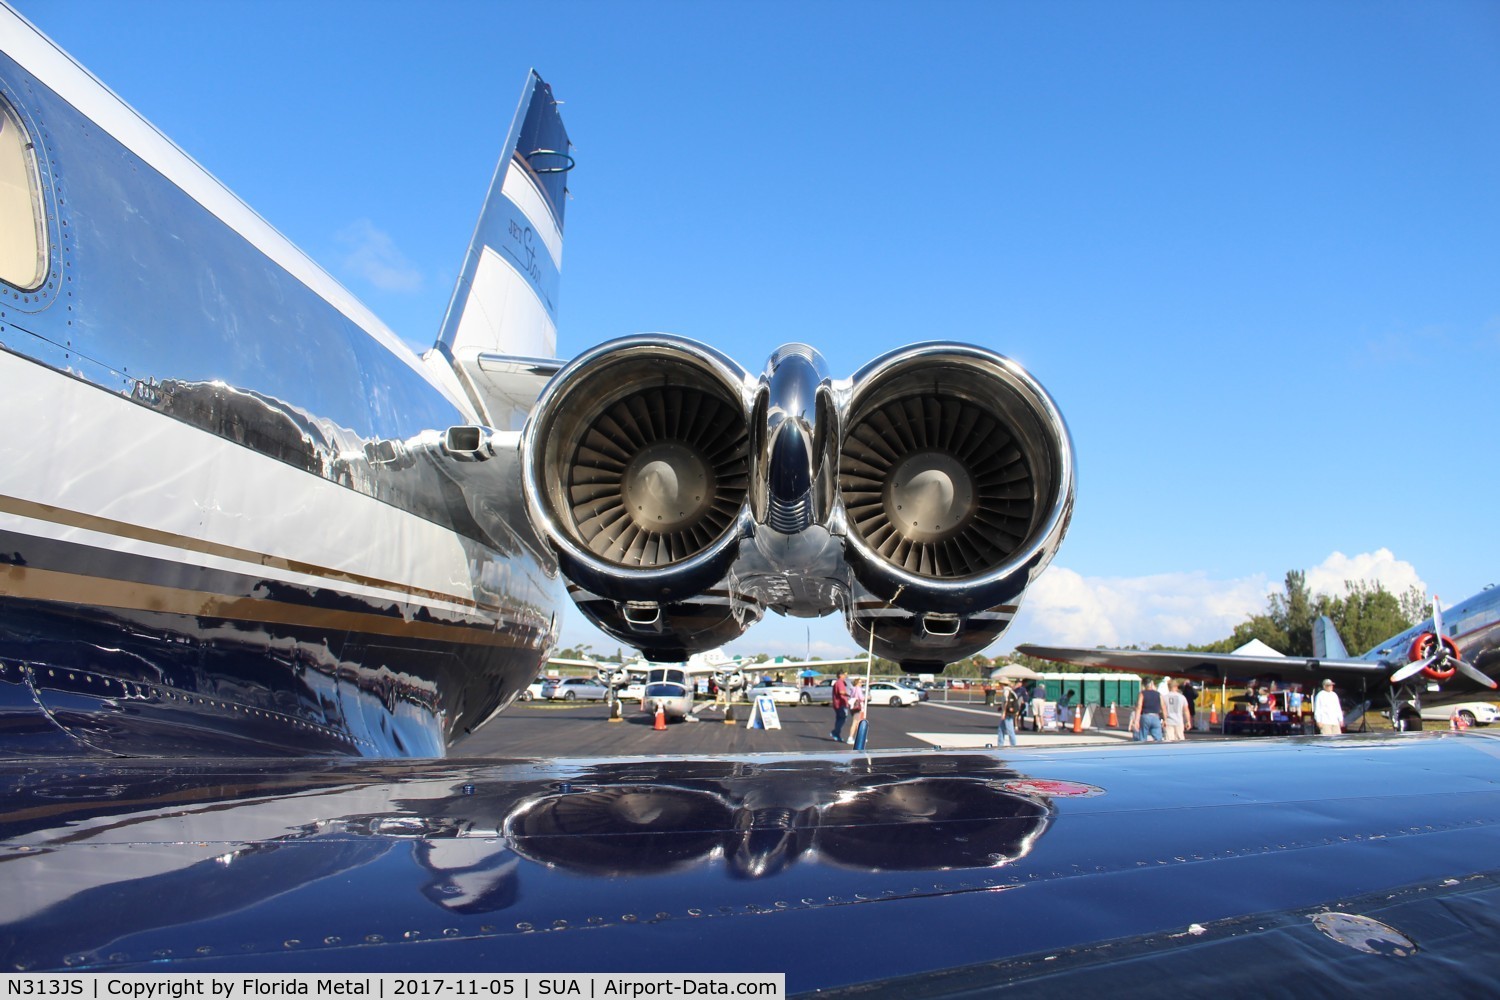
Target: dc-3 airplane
[1436,661]
[254,549]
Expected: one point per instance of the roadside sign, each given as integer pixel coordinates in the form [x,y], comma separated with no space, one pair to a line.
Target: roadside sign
[763,715]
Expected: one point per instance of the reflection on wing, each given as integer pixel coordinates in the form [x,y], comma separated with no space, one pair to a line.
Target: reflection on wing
[988,865]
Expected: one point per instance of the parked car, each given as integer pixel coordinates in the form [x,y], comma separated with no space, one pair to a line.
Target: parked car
[891,693]
[1474,713]
[917,687]
[574,688]
[533,690]
[780,693]
[817,693]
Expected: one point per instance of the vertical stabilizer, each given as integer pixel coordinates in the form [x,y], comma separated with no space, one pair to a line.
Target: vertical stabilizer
[1326,642]
[501,325]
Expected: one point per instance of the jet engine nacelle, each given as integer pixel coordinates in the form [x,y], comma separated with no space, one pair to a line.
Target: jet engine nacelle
[957,482]
[636,468]
[684,496]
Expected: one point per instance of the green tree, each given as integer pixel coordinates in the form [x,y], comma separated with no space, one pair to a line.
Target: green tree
[1414,605]
[1369,614]
[1364,616]
[1292,613]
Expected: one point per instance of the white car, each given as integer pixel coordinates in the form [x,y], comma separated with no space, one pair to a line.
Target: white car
[533,690]
[781,694]
[575,689]
[1472,712]
[888,693]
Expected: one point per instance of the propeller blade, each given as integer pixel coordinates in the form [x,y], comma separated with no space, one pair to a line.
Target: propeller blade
[1412,669]
[1473,673]
[1437,618]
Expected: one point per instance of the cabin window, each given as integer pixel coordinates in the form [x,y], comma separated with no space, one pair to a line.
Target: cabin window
[23,237]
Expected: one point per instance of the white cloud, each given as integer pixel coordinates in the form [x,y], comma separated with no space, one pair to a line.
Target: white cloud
[1381,566]
[1174,609]
[372,255]
[1066,608]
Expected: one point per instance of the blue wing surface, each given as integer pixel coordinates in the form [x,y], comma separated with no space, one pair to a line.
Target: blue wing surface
[1068,866]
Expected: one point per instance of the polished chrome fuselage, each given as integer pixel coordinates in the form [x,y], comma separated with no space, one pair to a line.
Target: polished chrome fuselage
[227,521]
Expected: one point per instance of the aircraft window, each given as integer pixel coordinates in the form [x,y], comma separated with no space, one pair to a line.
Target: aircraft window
[23,249]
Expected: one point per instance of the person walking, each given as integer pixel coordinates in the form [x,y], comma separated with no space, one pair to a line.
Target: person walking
[840,702]
[1065,711]
[857,702]
[1008,704]
[1145,723]
[1176,718]
[1327,712]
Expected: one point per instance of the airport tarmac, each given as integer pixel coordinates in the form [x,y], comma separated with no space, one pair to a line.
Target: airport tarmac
[574,729]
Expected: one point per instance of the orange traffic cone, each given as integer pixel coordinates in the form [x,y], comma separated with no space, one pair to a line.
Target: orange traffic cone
[1213,714]
[1114,718]
[1078,719]
[661,719]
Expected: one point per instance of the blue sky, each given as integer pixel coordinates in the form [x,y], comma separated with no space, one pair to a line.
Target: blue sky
[1250,248]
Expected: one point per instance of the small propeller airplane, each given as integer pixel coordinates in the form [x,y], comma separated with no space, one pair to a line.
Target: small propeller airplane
[1436,660]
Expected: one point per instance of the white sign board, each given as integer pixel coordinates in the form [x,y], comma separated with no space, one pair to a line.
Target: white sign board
[763,715]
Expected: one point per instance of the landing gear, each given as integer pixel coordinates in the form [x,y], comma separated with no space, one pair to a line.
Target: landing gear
[1406,708]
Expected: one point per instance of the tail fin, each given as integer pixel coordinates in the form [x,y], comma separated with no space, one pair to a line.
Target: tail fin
[501,326]
[1326,642]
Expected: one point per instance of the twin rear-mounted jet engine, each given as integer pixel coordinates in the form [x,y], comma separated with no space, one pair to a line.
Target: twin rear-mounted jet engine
[685,496]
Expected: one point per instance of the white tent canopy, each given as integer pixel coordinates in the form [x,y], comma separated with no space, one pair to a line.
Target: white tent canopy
[1256,648]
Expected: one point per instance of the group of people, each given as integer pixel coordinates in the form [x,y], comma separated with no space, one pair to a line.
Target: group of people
[1015,703]
[1161,716]
[1166,715]
[1328,711]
